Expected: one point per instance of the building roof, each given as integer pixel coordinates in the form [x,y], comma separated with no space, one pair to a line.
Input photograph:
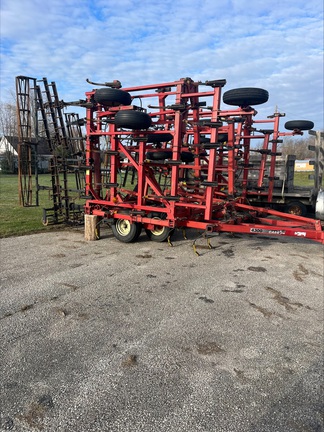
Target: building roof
[304,160]
[42,145]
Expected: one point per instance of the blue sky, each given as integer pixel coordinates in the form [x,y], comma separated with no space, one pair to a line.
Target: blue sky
[276,45]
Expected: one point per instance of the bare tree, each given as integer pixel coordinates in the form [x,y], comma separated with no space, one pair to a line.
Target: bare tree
[8,119]
[298,147]
[9,128]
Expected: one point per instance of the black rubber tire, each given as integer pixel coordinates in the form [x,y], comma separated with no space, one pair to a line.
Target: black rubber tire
[299,124]
[296,208]
[222,137]
[139,227]
[166,154]
[125,231]
[204,140]
[160,233]
[158,138]
[187,157]
[245,96]
[110,97]
[130,119]
[159,155]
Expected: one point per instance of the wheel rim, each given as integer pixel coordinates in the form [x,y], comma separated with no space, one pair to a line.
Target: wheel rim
[295,210]
[123,227]
[158,230]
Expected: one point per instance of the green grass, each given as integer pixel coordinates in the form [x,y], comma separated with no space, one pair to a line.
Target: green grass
[18,220]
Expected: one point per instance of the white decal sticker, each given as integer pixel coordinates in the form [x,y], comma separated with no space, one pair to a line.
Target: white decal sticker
[268,231]
[300,233]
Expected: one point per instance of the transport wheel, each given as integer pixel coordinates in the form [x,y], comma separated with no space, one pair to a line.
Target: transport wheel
[245,96]
[139,227]
[130,119]
[204,140]
[296,208]
[159,155]
[126,231]
[165,154]
[112,97]
[222,137]
[159,233]
[187,156]
[299,124]
[158,138]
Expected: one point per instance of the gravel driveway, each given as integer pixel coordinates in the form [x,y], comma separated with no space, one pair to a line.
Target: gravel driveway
[103,336]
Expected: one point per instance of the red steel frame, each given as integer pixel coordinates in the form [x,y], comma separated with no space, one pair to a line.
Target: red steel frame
[216,198]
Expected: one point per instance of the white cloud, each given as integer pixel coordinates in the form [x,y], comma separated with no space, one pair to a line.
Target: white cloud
[276,45]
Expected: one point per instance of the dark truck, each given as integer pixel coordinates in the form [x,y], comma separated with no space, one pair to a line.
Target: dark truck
[302,201]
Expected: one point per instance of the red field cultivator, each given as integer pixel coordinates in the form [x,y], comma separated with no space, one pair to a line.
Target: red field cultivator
[165,156]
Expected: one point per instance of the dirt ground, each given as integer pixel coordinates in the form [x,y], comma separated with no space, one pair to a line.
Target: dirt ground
[103,336]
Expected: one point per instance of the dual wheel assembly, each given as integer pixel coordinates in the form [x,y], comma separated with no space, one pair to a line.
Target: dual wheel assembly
[128,232]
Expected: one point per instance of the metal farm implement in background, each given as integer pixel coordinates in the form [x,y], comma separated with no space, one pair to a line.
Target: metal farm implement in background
[40,117]
[165,156]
